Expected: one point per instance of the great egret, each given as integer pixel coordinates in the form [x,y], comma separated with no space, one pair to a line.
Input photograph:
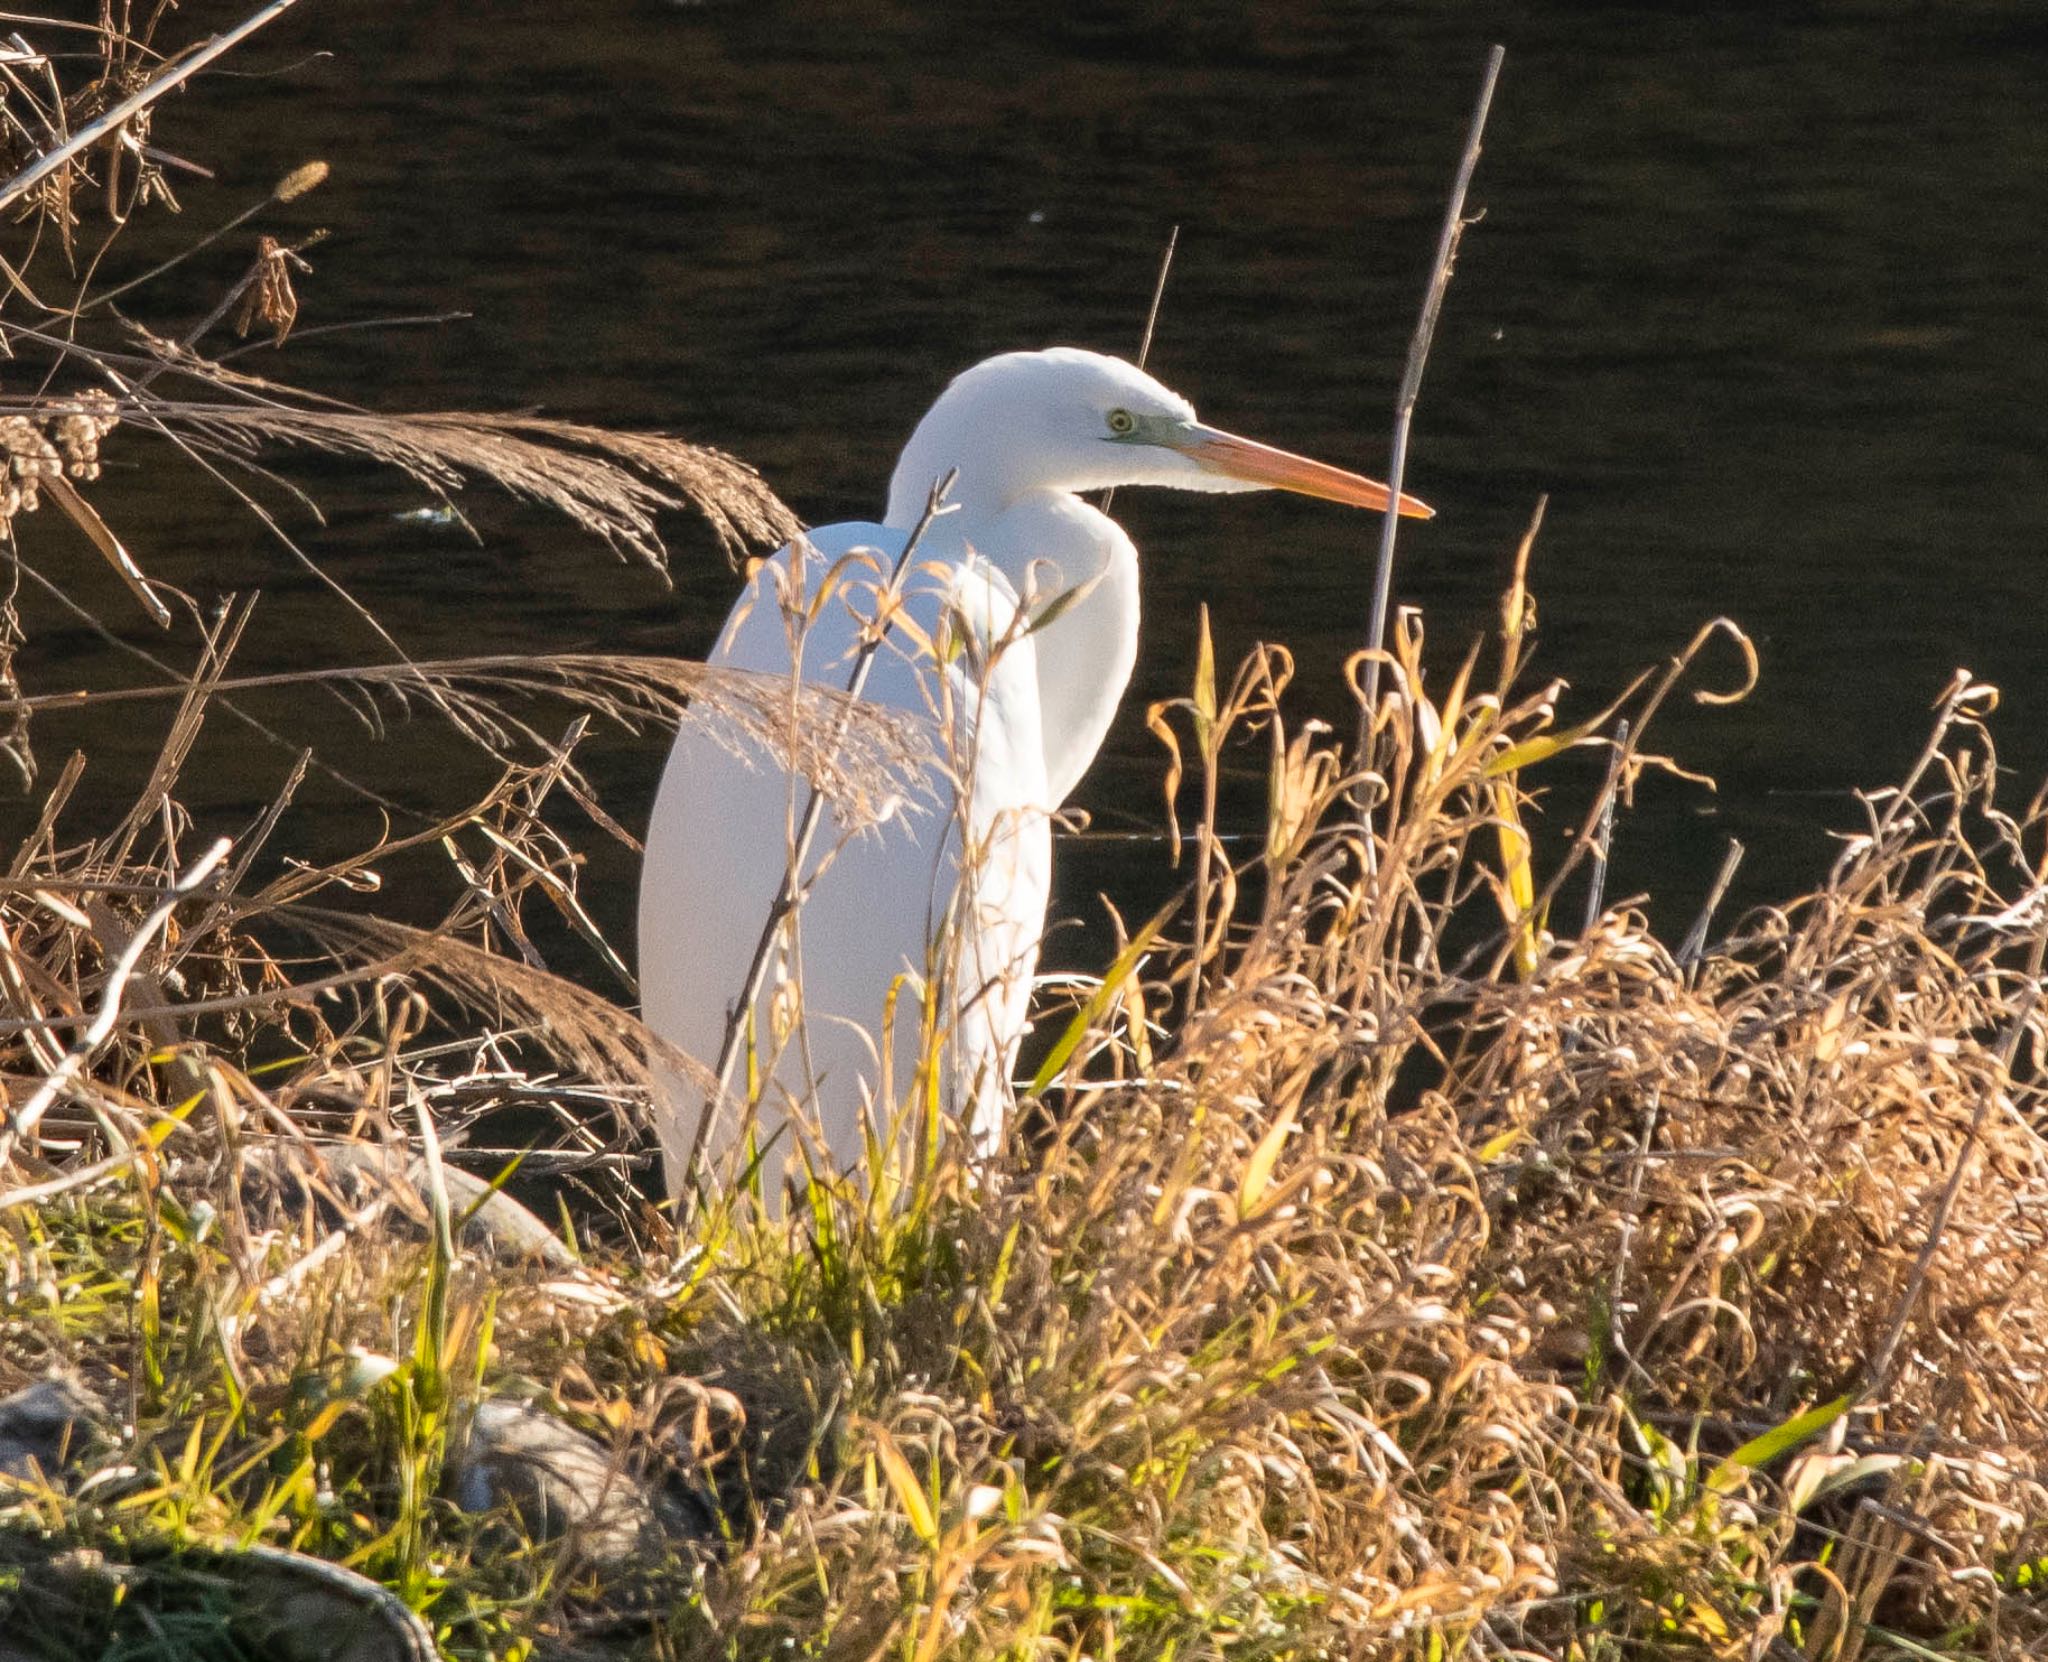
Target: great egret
[1020,701]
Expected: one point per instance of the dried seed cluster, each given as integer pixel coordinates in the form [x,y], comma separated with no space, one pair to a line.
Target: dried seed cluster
[64,445]
[77,432]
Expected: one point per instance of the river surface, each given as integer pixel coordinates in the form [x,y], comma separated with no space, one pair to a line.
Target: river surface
[1756,300]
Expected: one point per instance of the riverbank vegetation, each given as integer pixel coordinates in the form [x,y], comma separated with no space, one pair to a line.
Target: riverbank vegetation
[1398,1253]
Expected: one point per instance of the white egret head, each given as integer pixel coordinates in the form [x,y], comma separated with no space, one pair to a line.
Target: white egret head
[1065,420]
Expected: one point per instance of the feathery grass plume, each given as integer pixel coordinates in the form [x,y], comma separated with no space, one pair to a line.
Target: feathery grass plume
[868,760]
[611,484]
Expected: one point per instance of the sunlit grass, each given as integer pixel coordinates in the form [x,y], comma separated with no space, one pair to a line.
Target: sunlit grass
[1558,1297]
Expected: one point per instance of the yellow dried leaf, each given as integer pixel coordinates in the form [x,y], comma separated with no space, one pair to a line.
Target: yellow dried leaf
[903,1484]
[1258,1171]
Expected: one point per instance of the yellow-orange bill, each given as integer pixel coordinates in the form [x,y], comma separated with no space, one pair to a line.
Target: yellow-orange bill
[1258,463]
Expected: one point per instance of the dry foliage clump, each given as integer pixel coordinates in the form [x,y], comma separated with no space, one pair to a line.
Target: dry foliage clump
[1422,1277]
[1827,1128]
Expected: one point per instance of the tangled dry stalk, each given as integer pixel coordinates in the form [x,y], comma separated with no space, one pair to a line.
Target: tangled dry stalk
[1381,1266]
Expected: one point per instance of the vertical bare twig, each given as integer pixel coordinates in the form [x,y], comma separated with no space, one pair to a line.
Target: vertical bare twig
[1158,295]
[1694,946]
[1603,843]
[1151,324]
[1411,389]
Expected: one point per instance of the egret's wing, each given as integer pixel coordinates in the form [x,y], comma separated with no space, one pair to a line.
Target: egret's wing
[721,839]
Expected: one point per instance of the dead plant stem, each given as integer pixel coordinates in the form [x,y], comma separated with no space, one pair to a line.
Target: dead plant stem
[1151,324]
[1603,844]
[1411,390]
[1694,946]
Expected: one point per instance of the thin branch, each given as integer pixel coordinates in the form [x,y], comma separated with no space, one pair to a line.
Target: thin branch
[1158,295]
[410,321]
[67,1183]
[1411,389]
[1151,324]
[1603,845]
[1694,946]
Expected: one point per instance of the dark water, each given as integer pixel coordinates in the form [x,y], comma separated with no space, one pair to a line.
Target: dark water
[1756,300]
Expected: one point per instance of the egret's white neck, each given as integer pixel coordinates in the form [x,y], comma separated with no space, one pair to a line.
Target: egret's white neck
[1046,543]
[982,484]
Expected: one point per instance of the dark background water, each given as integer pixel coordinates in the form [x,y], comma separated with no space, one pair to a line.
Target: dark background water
[1756,300]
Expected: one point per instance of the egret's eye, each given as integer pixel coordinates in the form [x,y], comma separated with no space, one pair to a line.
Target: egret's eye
[1122,424]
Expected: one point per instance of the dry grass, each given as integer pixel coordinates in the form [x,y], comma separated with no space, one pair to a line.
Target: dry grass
[1552,1297]
[1385,1268]
[611,484]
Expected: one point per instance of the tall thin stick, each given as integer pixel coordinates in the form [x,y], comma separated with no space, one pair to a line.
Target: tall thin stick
[1158,295]
[1151,323]
[93,131]
[790,896]
[1411,389]
[1694,946]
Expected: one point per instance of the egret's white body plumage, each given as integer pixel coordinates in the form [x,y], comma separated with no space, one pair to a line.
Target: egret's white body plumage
[1019,715]
[723,833]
